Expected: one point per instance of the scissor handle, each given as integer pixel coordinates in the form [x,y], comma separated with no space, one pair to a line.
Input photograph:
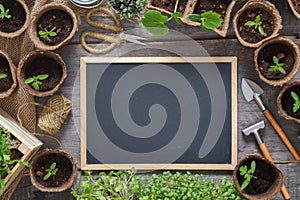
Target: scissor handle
[115,41]
[117,27]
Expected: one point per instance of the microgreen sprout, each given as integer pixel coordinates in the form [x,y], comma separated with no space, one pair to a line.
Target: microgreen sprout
[257,24]
[36,81]
[277,66]
[51,171]
[3,76]
[4,13]
[47,34]
[247,173]
[296,105]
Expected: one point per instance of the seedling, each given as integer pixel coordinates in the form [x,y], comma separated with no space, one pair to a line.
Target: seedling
[257,24]
[296,105]
[47,34]
[4,13]
[3,76]
[5,160]
[209,20]
[128,8]
[36,81]
[51,171]
[247,173]
[277,66]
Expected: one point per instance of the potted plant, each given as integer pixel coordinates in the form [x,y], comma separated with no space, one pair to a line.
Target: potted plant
[53,171]
[8,80]
[257,178]
[53,26]
[41,73]
[288,101]
[256,22]
[127,9]
[277,61]
[14,18]
[295,6]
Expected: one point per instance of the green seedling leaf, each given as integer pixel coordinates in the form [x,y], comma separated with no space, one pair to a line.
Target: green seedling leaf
[155,23]
[277,66]
[35,85]
[51,171]
[257,25]
[3,76]
[295,96]
[42,77]
[209,20]
[250,23]
[176,17]
[36,81]
[45,33]
[247,174]
[4,13]
[296,105]
[29,80]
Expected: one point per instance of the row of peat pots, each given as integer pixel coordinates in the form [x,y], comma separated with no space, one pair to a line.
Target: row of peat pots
[40,72]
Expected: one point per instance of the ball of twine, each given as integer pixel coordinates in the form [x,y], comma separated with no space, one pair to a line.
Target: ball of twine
[54,114]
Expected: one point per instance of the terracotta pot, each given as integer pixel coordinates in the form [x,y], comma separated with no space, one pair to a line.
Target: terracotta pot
[285,96]
[57,154]
[296,55]
[37,56]
[271,192]
[295,12]
[25,25]
[268,7]
[13,76]
[34,32]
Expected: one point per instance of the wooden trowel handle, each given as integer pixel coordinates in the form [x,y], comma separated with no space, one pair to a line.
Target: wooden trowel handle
[267,155]
[281,133]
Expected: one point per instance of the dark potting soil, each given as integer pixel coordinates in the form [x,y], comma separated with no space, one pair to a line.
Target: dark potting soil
[63,174]
[248,33]
[287,101]
[169,5]
[43,65]
[58,21]
[296,4]
[262,180]
[18,16]
[265,60]
[218,6]
[5,83]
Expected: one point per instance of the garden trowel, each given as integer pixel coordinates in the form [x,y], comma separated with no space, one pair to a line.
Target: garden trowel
[252,91]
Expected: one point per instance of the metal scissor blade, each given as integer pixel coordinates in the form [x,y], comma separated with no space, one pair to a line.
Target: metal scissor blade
[135,39]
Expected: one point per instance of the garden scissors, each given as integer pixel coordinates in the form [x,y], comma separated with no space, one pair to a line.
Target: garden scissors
[113,40]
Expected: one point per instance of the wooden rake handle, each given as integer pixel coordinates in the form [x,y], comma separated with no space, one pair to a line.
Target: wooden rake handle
[281,133]
[267,155]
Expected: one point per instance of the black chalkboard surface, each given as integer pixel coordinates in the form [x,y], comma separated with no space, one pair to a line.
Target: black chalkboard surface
[158,113]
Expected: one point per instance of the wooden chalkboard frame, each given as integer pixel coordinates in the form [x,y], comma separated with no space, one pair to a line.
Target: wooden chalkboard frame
[144,60]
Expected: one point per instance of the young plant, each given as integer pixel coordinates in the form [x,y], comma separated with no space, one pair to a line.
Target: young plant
[155,22]
[257,24]
[277,66]
[4,13]
[209,20]
[127,8]
[36,81]
[6,164]
[296,105]
[51,171]
[247,173]
[47,34]
[3,76]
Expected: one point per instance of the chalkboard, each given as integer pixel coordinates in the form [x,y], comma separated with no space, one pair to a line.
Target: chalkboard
[158,113]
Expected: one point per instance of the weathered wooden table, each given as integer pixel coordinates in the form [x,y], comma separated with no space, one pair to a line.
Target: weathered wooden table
[248,113]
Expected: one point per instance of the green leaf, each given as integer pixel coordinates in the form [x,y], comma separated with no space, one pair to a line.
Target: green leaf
[253,166]
[296,106]
[211,20]
[155,23]
[42,33]
[257,20]
[243,170]
[35,85]
[29,80]
[52,34]
[2,183]
[176,16]
[2,8]
[244,185]
[3,76]
[295,96]
[195,17]
[250,23]
[282,70]
[43,77]
[47,176]
[272,69]
[261,30]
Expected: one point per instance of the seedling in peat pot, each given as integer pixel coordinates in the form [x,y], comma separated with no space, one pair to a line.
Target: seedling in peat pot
[277,66]
[209,20]
[257,24]
[247,173]
[4,13]
[3,76]
[36,81]
[46,34]
[51,171]
[296,105]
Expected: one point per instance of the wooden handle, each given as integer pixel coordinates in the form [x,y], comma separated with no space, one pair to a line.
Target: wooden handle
[281,134]
[267,155]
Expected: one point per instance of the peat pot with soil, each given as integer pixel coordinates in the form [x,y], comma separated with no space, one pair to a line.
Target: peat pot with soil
[14,18]
[295,6]
[288,101]
[53,26]
[53,170]
[41,73]
[8,80]
[256,22]
[257,178]
[277,61]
